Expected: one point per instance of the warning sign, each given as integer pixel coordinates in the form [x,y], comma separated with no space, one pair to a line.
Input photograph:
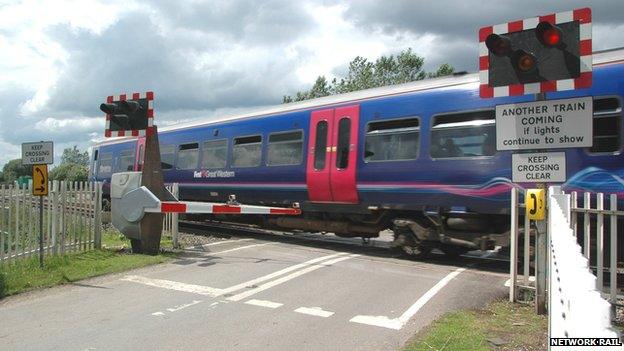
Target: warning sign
[539,167]
[40,180]
[544,124]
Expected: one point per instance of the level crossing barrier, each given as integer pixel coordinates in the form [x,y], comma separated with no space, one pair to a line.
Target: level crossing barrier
[71,219]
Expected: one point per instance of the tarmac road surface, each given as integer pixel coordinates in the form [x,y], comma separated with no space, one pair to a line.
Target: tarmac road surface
[249,294]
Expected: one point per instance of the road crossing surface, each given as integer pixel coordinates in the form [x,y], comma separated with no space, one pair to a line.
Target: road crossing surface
[248,294]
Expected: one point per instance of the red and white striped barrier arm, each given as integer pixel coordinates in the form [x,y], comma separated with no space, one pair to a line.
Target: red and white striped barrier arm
[220,208]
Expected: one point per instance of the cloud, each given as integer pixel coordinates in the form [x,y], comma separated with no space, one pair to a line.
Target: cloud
[454,24]
[205,59]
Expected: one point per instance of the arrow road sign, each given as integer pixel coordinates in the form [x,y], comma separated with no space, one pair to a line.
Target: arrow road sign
[40,180]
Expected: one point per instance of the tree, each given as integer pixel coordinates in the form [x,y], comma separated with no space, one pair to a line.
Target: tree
[74,166]
[363,74]
[70,171]
[73,155]
[14,169]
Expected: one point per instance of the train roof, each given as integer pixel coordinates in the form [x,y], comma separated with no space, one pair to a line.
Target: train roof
[457,79]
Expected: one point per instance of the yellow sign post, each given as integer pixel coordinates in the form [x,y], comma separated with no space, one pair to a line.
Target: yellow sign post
[535,203]
[40,180]
[40,188]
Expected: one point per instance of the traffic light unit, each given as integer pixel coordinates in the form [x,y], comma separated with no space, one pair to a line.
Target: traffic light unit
[536,55]
[129,115]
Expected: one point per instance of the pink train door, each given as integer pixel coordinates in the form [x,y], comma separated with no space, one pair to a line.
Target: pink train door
[139,154]
[332,155]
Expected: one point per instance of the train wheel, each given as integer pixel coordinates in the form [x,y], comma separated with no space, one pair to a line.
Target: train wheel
[405,241]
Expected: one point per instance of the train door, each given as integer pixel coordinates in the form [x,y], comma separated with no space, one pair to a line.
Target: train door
[139,154]
[332,155]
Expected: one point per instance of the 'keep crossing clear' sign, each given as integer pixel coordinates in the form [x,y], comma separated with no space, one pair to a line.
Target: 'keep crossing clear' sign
[38,153]
[544,124]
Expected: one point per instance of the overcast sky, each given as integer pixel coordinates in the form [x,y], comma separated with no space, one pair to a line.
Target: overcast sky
[60,59]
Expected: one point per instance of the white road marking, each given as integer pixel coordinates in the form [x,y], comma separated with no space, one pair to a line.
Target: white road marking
[314,311]
[158,313]
[280,272]
[180,307]
[264,303]
[239,248]
[214,292]
[171,285]
[398,323]
[218,243]
[284,279]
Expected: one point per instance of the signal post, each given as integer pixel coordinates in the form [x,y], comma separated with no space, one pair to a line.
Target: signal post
[538,55]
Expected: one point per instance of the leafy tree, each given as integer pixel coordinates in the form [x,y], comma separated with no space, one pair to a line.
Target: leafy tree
[363,74]
[14,169]
[74,166]
[71,172]
[73,155]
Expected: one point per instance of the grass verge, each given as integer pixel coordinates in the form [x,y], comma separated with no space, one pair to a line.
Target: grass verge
[24,275]
[500,326]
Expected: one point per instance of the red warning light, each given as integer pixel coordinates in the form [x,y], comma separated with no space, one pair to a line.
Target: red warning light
[548,34]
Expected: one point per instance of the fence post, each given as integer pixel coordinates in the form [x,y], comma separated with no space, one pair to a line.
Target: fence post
[587,226]
[63,224]
[599,241]
[174,219]
[55,215]
[2,220]
[613,254]
[97,234]
[513,245]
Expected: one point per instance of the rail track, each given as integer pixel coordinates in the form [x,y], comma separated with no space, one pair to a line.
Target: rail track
[376,247]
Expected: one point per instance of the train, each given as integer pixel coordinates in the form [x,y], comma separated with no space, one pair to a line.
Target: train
[418,158]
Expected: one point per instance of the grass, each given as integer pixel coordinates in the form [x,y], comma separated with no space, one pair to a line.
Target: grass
[24,275]
[111,238]
[516,325]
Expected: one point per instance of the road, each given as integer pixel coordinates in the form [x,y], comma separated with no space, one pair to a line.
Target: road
[249,294]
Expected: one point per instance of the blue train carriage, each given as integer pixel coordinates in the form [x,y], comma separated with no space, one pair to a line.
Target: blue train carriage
[419,158]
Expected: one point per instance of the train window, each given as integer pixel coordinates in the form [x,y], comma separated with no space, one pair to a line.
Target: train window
[188,155]
[247,151]
[606,123]
[214,154]
[106,163]
[392,140]
[463,135]
[343,147]
[167,153]
[285,148]
[320,145]
[125,162]
[95,155]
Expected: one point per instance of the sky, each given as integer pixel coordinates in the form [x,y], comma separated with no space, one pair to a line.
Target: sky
[203,59]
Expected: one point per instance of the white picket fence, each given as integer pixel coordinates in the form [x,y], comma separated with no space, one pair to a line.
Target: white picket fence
[576,306]
[71,219]
[594,222]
